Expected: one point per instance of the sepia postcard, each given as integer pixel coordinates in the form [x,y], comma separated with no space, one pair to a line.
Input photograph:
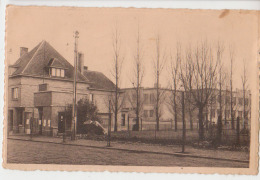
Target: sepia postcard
[131,90]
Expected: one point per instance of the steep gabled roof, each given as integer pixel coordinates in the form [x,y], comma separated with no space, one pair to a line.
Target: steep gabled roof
[99,81]
[34,63]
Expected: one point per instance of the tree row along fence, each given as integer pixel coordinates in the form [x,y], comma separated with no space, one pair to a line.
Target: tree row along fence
[171,136]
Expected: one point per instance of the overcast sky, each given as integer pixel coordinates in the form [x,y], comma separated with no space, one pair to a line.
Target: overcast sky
[28,26]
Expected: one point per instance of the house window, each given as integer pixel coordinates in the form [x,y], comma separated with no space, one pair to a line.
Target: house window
[227,113]
[246,115]
[213,113]
[246,101]
[213,100]
[145,113]
[234,100]
[218,113]
[151,113]
[240,114]
[123,120]
[240,101]
[15,93]
[91,97]
[62,73]
[152,98]
[134,97]
[53,71]
[146,98]
[57,72]
[227,99]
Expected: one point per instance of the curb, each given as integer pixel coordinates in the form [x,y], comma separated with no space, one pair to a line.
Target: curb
[134,151]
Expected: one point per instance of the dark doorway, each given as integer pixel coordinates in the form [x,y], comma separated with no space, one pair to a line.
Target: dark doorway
[10,120]
[61,122]
[40,119]
[20,120]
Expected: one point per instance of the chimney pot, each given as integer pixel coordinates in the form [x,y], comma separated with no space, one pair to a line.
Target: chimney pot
[23,50]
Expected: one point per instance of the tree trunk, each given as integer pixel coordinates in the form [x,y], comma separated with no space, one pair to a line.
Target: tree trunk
[175,113]
[116,111]
[201,126]
[238,129]
[219,123]
[207,124]
[190,116]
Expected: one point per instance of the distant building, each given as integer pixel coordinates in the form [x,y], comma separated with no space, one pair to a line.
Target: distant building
[166,111]
[40,86]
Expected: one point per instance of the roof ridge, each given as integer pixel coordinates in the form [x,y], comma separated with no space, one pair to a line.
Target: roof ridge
[32,57]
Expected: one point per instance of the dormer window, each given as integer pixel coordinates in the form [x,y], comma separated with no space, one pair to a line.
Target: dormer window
[57,72]
[56,68]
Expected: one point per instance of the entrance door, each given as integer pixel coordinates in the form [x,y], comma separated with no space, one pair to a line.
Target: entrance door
[61,122]
[40,120]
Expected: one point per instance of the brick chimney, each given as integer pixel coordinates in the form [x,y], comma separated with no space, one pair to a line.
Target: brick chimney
[81,62]
[23,50]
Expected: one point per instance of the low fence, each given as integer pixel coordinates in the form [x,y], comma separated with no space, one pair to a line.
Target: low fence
[170,136]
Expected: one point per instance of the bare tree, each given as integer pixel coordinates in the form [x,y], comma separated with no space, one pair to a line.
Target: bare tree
[138,78]
[198,76]
[245,89]
[158,67]
[221,79]
[116,73]
[231,56]
[175,68]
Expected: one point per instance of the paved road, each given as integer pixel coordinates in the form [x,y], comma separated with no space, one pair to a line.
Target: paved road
[48,153]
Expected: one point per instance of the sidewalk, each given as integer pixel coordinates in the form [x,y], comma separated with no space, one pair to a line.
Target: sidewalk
[146,148]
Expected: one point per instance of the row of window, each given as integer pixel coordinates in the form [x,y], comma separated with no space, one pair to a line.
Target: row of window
[235,99]
[227,113]
[150,99]
[42,87]
[57,72]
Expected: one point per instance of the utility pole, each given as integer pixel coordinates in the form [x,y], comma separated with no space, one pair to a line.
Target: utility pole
[74,109]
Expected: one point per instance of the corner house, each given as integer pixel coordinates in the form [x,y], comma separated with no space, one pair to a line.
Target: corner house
[40,86]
